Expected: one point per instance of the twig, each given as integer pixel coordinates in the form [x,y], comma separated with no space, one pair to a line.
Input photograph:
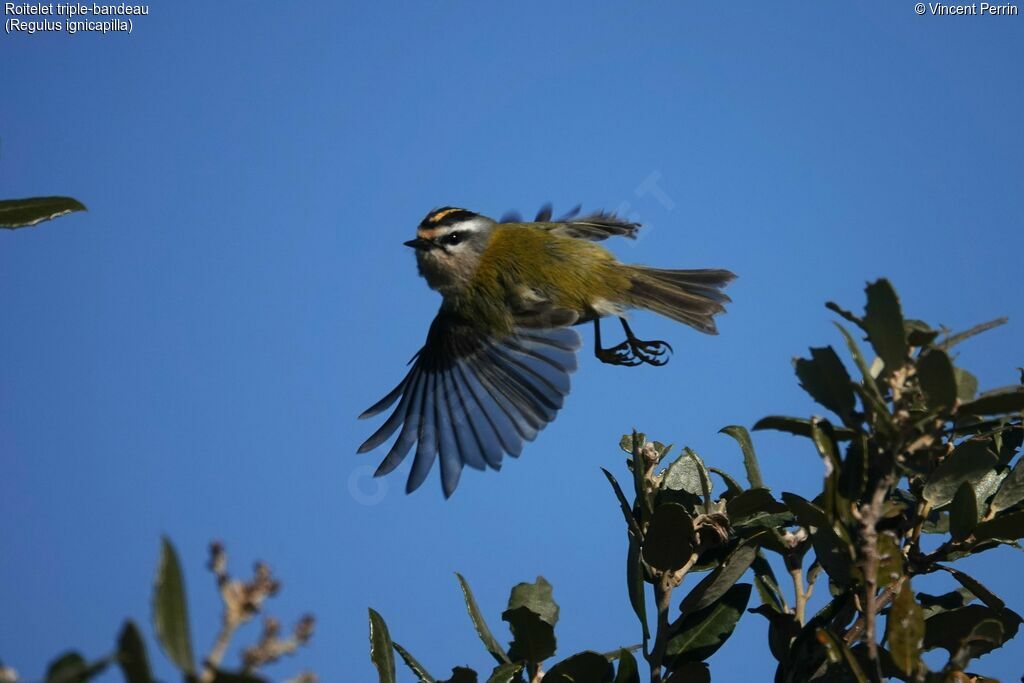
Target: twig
[663,597]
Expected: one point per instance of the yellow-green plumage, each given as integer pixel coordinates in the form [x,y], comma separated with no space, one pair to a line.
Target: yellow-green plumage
[521,260]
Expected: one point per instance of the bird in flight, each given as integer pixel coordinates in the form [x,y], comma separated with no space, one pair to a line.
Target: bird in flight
[495,367]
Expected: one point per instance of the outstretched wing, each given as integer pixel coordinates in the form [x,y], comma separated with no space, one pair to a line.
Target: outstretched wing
[595,227]
[469,398]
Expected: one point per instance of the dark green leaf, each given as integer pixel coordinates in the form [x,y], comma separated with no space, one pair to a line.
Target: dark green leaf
[995,403]
[414,666]
[1008,526]
[732,487]
[721,579]
[868,388]
[839,653]
[131,655]
[1011,491]
[831,551]
[963,512]
[537,597]
[742,437]
[783,627]
[883,321]
[766,584]
[628,671]
[825,378]
[753,503]
[170,610]
[938,379]
[966,385]
[68,668]
[668,543]
[22,213]
[635,584]
[381,653]
[700,633]
[461,674]
[890,558]
[687,473]
[933,604]
[690,672]
[585,667]
[919,333]
[968,462]
[948,630]
[975,588]
[627,510]
[905,630]
[533,639]
[506,673]
[482,630]
[798,426]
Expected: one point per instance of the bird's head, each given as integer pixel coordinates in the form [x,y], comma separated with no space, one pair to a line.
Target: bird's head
[448,244]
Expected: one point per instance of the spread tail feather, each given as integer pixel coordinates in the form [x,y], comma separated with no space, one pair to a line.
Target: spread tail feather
[692,297]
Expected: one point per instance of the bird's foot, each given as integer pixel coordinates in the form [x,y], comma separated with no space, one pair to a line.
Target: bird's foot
[620,354]
[654,352]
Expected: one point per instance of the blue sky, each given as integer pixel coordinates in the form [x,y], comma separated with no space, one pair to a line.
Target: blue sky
[189,356]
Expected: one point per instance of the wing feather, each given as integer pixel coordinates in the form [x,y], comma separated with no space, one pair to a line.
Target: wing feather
[471,398]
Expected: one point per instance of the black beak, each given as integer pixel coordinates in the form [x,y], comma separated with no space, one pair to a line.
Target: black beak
[420,243]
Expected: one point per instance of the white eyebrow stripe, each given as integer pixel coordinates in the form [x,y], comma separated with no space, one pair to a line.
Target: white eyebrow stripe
[466,226]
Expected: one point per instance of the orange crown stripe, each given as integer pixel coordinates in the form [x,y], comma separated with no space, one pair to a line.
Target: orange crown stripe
[441,214]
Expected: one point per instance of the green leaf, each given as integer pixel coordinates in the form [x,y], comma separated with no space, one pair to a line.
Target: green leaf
[690,672]
[461,674]
[919,333]
[414,666]
[868,387]
[825,378]
[538,597]
[933,604]
[905,630]
[381,653]
[766,584]
[721,579]
[131,655]
[23,213]
[832,552]
[949,630]
[883,321]
[1011,491]
[627,510]
[170,610]
[742,437]
[968,462]
[839,653]
[753,503]
[995,403]
[732,487]
[966,385]
[975,588]
[635,584]
[1004,527]
[584,667]
[68,668]
[628,671]
[938,379]
[482,630]
[687,473]
[797,426]
[783,627]
[668,543]
[506,673]
[700,633]
[533,639]
[963,512]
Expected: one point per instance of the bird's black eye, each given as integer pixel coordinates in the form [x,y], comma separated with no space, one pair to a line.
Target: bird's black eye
[453,238]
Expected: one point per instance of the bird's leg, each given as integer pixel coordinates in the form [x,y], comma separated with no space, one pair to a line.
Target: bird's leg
[653,352]
[620,354]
